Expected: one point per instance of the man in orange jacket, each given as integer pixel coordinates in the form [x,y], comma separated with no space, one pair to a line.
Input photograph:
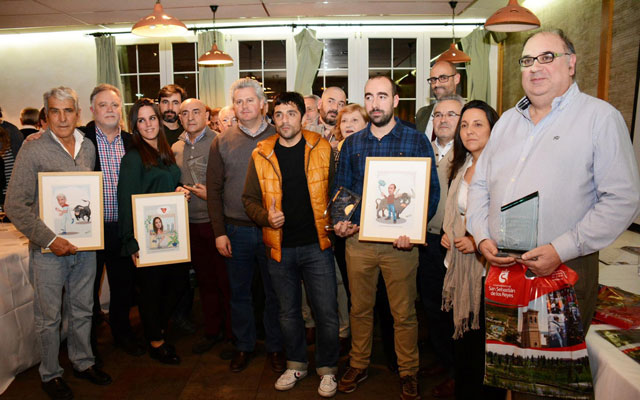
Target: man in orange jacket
[286,192]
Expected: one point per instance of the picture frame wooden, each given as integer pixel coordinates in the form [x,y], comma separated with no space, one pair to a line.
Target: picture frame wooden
[407,180]
[71,205]
[161,227]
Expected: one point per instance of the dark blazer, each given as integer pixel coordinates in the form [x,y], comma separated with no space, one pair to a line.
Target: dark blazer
[90,133]
[422,117]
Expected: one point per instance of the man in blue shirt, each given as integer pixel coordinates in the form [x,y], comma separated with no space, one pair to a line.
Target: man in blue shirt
[385,136]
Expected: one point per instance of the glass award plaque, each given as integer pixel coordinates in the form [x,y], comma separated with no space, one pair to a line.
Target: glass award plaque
[198,170]
[519,225]
[342,206]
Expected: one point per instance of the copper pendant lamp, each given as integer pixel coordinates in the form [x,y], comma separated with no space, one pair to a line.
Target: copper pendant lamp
[215,56]
[453,55]
[512,18]
[159,24]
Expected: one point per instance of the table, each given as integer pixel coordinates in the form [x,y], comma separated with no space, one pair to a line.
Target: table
[18,343]
[615,375]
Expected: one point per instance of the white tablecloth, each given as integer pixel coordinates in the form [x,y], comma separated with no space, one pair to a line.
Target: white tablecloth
[615,375]
[18,345]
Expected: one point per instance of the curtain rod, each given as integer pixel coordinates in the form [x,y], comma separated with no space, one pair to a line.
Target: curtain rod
[294,26]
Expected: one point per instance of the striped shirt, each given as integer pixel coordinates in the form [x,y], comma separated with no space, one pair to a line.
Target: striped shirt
[110,155]
[8,158]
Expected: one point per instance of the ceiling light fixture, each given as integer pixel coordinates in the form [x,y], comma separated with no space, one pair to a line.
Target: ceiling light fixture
[159,24]
[453,55]
[512,18]
[215,56]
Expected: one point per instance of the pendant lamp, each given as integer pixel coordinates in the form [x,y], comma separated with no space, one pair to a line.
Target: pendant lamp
[215,56]
[453,55]
[512,18]
[159,24]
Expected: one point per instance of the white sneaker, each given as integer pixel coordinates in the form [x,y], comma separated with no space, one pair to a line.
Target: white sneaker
[328,386]
[289,379]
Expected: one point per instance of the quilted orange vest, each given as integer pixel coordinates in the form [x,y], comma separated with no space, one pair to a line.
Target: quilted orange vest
[317,156]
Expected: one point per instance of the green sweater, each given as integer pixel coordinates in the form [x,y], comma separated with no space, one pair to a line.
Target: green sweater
[135,178]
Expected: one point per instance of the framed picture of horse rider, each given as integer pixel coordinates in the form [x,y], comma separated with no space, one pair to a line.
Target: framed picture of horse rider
[71,206]
[395,199]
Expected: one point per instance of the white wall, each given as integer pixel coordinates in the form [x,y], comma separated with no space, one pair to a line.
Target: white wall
[31,64]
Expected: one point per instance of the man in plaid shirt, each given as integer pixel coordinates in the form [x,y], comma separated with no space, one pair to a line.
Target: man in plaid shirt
[111,144]
[384,136]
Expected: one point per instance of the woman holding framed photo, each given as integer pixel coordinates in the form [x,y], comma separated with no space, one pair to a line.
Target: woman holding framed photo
[150,167]
[464,280]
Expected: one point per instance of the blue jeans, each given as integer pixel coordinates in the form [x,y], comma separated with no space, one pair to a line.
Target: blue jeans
[248,250]
[391,208]
[316,268]
[49,274]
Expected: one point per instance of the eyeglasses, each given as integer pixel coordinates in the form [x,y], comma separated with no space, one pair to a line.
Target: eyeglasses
[441,79]
[544,58]
[449,114]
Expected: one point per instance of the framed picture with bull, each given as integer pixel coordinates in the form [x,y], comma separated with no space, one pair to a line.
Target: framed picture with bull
[71,206]
[395,199]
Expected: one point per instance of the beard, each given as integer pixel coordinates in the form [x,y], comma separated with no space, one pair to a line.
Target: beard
[169,116]
[382,119]
[329,117]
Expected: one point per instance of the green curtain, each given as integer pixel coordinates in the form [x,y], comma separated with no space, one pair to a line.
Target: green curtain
[309,53]
[107,61]
[211,79]
[477,45]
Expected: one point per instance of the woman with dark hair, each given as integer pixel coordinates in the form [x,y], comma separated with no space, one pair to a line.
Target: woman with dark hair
[463,283]
[150,167]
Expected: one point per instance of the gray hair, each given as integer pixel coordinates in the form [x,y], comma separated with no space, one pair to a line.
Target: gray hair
[452,97]
[103,87]
[315,97]
[247,83]
[61,93]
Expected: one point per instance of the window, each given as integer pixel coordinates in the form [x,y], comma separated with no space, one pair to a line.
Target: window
[334,66]
[185,67]
[396,58]
[266,62]
[139,72]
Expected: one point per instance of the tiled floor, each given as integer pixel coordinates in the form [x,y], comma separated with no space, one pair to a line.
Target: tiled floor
[205,376]
[208,377]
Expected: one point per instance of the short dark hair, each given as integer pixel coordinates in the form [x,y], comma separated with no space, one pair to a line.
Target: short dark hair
[394,87]
[169,90]
[294,98]
[568,44]
[29,116]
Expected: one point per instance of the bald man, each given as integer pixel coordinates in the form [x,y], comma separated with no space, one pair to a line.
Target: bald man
[443,80]
[192,155]
[332,100]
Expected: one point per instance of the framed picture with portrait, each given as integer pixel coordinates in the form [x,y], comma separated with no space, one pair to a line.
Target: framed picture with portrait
[395,199]
[71,206]
[161,227]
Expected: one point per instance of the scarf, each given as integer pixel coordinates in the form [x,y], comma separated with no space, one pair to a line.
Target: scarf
[462,289]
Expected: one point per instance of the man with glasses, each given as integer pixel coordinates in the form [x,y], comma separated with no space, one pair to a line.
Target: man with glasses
[226,118]
[571,148]
[431,269]
[443,80]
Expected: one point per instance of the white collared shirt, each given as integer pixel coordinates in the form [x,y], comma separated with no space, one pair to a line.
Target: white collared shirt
[442,151]
[79,138]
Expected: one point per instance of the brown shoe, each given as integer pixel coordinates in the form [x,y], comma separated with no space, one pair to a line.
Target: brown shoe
[240,360]
[410,388]
[351,379]
[446,388]
[278,361]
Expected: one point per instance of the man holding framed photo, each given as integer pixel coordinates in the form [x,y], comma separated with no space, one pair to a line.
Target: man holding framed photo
[286,192]
[62,148]
[384,136]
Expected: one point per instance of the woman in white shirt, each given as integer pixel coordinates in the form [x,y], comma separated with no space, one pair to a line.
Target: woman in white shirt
[463,283]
